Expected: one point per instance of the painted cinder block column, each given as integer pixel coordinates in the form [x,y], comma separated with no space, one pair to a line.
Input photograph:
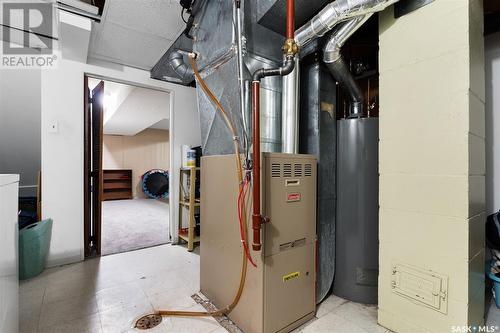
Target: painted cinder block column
[432,168]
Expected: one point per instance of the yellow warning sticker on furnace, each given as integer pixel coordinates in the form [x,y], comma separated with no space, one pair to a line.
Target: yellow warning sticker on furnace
[291,276]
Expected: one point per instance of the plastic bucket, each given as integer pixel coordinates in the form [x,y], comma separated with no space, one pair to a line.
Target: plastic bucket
[34,242]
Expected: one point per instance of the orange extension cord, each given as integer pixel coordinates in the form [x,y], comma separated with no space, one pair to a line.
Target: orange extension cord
[241,213]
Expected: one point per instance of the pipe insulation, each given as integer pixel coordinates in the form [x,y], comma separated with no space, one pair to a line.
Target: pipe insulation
[338,67]
[289,114]
[241,80]
[334,13]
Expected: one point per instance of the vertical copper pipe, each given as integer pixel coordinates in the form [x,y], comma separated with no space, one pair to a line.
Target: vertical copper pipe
[256,216]
[257,76]
[290,19]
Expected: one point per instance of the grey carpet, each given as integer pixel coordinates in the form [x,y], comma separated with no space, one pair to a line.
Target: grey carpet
[133,224]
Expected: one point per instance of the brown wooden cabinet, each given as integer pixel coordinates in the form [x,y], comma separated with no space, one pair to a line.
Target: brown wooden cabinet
[117,184]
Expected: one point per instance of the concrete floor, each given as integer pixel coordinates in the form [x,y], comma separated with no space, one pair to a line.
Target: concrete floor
[134,224]
[107,295]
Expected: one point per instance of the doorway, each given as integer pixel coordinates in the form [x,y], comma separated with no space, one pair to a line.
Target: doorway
[127,162]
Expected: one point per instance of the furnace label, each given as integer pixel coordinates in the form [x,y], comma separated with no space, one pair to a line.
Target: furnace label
[291,276]
[293,197]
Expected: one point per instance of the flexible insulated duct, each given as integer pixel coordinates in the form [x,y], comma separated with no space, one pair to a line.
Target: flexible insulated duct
[335,12]
[354,11]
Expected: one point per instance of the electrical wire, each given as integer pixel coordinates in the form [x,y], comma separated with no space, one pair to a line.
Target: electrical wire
[241,210]
[182,15]
[243,220]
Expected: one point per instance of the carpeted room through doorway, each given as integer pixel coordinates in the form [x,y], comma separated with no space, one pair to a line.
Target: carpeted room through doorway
[134,224]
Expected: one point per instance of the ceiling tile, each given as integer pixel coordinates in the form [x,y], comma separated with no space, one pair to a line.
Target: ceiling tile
[157,17]
[118,44]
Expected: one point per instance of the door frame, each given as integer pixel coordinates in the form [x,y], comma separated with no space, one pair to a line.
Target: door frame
[86,167]
[87,157]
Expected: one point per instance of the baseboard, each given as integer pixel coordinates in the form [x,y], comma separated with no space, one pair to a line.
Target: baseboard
[55,262]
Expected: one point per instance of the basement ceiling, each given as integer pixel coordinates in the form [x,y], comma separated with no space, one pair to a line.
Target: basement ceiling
[136,33]
[129,110]
[141,109]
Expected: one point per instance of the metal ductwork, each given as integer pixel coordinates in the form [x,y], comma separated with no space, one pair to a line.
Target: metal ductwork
[335,12]
[339,69]
[183,70]
[352,14]
[356,12]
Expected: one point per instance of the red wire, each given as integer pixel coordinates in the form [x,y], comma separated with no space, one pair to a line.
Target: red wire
[240,219]
[249,256]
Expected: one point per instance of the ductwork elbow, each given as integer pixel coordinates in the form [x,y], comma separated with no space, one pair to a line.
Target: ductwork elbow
[341,73]
[339,69]
[183,71]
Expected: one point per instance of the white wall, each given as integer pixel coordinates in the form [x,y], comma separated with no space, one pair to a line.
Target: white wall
[20,126]
[150,149]
[62,152]
[492,64]
[432,167]
[9,255]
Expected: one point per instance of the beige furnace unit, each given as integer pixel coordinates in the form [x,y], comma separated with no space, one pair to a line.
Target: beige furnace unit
[279,294]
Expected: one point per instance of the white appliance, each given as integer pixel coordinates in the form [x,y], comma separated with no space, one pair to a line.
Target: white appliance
[9,257]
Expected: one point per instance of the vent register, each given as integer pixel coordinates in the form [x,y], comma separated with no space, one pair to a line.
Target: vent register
[288,170]
[422,286]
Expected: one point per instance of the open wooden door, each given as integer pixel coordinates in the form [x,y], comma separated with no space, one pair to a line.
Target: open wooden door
[93,118]
[97,173]
[87,159]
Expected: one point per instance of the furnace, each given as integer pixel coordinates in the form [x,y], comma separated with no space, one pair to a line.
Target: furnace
[279,294]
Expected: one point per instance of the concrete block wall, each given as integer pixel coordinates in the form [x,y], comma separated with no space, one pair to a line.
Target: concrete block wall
[432,161]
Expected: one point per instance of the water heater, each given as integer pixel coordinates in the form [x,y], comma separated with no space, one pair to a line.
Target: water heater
[356,245]
[279,294]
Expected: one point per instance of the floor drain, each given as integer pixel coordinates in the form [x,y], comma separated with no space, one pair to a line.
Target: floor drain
[147,322]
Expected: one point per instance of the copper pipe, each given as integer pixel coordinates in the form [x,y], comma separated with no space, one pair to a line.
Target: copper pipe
[289,50]
[256,217]
[290,19]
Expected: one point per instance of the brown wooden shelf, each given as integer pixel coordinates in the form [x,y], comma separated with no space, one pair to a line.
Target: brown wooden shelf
[117,184]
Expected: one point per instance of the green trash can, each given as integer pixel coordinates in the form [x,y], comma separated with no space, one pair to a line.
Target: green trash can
[34,242]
